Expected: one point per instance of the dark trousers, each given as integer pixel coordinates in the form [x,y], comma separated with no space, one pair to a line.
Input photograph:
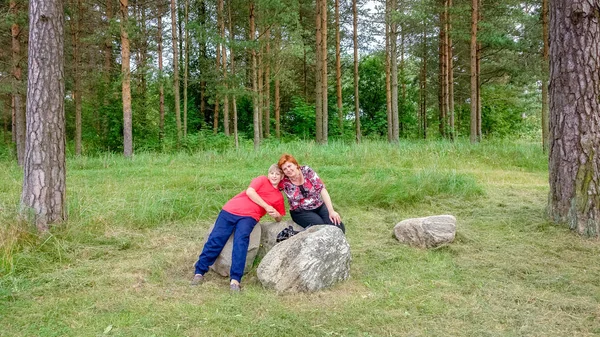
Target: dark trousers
[227,223]
[318,216]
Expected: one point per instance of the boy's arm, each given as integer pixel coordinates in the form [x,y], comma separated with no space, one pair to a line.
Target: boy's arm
[253,195]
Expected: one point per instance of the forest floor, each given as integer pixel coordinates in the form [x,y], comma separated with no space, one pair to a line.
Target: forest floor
[122,263]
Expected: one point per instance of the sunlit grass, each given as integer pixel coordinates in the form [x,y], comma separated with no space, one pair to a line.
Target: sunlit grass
[123,261]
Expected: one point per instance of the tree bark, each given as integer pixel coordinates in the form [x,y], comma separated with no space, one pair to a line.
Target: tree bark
[356,78]
[388,71]
[44,178]
[338,68]
[176,72]
[161,87]
[574,92]
[256,119]
[473,54]
[267,85]
[324,81]
[126,84]
[185,69]
[545,60]
[450,55]
[318,73]
[394,73]
[16,88]
[231,61]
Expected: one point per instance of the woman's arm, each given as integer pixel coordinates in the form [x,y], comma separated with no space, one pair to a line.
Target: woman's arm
[333,215]
[253,195]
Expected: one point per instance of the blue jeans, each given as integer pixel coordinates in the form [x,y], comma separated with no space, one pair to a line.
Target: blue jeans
[227,223]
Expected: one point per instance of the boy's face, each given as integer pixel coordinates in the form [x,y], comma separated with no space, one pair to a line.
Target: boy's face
[274,177]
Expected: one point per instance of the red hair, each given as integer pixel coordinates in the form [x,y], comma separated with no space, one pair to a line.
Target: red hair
[287,158]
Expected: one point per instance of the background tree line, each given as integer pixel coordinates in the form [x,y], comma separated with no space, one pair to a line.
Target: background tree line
[228,71]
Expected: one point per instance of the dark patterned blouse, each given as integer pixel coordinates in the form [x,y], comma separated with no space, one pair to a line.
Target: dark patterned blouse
[306,196]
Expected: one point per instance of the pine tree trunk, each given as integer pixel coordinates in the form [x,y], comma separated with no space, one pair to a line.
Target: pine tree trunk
[176,72]
[260,72]
[318,74]
[126,84]
[356,100]
[545,59]
[474,103]
[185,69]
[256,119]
[388,76]
[277,86]
[161,87]
[338,68]
[267,86]
[443,73]
[324,80]
[574,119]
[107,71]
[451,130]
[394,74]
[44,178]
[232,62]
[17,108]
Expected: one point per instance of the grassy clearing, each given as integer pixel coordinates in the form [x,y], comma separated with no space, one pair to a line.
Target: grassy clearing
[122,264]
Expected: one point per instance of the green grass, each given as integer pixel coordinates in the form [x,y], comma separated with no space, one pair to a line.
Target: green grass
[122,263]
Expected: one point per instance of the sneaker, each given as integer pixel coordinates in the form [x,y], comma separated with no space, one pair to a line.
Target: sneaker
[198,278]
[235,287]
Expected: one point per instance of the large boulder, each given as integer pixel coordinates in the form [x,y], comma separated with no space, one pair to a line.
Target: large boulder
[223,263]
[427,232]
[269,231]
[314,259]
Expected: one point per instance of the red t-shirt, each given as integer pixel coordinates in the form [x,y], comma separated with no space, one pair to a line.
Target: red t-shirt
[242,205]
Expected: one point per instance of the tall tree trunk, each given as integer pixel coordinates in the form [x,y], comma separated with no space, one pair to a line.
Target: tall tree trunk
[545,59]
[574,119]
[394,73]
[267,86]
[16,87]
[218,68]
[259,79]
[256,119]
[44,173]
[161,87]
[474,97]
[277,86]
[424,83]
[202,58]
[443,72]
[388,71]
[478,60]
[356,100]
[185,69]
[176,72]
[107,71]
[318,73]
[224,59]
[324,81]
[77,92]
[338,68]
[450,57]
[402,111]
[126,84]
[231,61]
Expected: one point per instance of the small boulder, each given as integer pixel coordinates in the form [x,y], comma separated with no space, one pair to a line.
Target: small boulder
[314,259]
[427,232]
[269,231]
[223,263]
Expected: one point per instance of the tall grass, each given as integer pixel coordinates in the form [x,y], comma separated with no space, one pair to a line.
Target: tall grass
[122,262]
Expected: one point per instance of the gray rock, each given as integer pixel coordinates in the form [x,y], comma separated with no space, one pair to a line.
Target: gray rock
[314,259]
[269,231]
[428,232]
[223,263]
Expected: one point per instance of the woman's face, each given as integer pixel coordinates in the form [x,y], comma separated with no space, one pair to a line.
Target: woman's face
[289,169]
[275,177]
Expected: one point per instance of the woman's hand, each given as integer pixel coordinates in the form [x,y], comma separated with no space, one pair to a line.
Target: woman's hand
[335,218]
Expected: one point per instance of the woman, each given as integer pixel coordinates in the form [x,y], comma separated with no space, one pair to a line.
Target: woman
[239,216]
[309,200]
